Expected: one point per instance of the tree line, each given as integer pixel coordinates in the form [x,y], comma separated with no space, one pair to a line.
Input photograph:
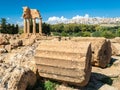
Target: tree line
[77,30]
[85,30]
[8,28]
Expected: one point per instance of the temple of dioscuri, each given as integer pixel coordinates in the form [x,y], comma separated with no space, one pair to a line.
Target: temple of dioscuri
[31,14]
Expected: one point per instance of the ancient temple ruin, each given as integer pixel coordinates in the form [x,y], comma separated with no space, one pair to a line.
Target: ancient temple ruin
[31,14]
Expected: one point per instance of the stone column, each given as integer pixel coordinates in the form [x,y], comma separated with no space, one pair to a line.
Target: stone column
[28,26]
[40,26]
[34,26]
[25,26]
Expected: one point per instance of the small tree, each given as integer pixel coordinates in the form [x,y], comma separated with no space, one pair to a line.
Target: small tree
[13,29]
[3,25]
[3,22]
[16,29]
[46,29]
[9,28]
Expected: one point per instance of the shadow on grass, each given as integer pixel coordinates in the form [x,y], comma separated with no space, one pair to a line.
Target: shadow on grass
[96,81]
[44,83]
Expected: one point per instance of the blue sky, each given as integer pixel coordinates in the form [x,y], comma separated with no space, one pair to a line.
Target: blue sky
[12,9]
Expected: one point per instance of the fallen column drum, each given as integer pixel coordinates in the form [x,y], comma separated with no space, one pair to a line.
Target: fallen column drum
[101,50]
[65,61]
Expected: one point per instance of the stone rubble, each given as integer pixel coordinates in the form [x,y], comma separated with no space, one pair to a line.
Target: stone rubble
[18,66]
[18,69]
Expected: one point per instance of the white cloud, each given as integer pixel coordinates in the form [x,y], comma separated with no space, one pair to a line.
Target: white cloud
[62,19]
[54,20]
[79,17]
[86,16]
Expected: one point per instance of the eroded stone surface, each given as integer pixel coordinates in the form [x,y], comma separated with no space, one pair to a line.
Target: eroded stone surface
[115,49]
[66,61]
[18,69]
[101,50]
[20,60]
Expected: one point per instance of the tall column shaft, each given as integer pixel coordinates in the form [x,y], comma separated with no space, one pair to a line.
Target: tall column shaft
[40,26]
[34,26]
[25,26]
[28,26]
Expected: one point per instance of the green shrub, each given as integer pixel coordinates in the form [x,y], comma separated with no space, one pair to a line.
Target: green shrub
[96,34]
[64,34]
[108,34]
[49,85]
[86,34]
[77,34]
[56,34]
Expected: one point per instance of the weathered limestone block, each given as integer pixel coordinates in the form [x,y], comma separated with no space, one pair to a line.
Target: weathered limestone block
[29,41]
[2,50]
[65,61]
[2,46]
[115,48]
[101,50]
[25,35]
[117,39]
[17,78]
[3,41]
[22,79]
[14,37]
[16,43]
[8,36]
[8,48]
